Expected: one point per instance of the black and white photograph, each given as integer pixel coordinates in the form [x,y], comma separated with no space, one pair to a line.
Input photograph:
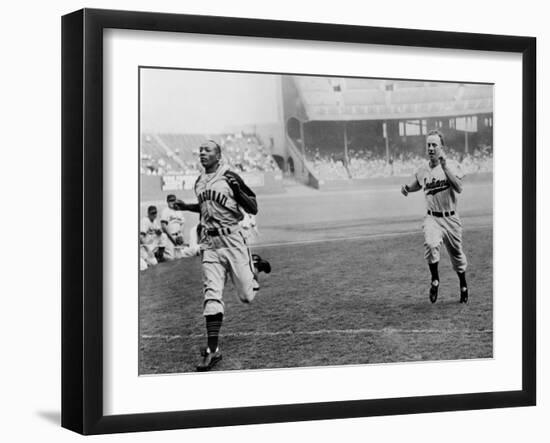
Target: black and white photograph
[298,221]
[232,201]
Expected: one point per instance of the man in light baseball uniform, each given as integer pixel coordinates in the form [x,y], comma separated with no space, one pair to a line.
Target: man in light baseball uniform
[441,181]
[151,249]
[249,227]
[172,223]
[221,195]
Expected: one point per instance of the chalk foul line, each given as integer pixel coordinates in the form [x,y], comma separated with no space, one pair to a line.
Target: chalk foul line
[320,332]
[376,236]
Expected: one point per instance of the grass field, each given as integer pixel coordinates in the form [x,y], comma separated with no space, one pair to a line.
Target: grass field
[349,286]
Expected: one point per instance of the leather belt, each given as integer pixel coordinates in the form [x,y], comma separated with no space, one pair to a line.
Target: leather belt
[441,214]
[213,232]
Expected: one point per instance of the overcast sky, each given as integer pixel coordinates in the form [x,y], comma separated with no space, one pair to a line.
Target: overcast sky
[180,101]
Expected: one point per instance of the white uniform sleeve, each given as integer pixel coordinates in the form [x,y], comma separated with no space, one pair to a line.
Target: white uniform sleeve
[189,251]
[165,215]
[144,225]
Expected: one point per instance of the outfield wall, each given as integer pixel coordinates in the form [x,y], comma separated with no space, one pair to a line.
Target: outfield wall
[331,185]
[156,187]
[269,183]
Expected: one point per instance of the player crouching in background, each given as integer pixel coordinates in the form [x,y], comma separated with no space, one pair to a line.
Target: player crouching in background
[176,248]
[441,180]
[172,223]
[151,249]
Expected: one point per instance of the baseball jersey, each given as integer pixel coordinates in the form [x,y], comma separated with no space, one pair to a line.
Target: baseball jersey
[439,194]
[218,206]
[148,228]
[174,219]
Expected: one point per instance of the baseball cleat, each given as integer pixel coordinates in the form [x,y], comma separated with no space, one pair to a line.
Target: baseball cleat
[463,295]
[209,359]
[261,264]
[434,288]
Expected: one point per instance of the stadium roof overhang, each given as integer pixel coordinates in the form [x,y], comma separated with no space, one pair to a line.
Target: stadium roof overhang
[396,112]
[344,99]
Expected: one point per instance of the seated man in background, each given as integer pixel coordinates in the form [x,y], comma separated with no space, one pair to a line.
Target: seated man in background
[150,239]
[179,249]
[172,223]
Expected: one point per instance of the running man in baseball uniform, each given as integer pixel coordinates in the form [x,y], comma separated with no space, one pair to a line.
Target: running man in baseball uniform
[441,181]
[221,195]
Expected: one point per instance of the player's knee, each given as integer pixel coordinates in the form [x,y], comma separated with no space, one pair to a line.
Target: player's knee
[247,296]
[213,307]
[432,260]
[460,266]
[432,246]
[432,255]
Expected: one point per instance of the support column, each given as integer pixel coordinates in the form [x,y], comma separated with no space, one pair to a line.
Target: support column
[386,138]
[346,143]
[303,146]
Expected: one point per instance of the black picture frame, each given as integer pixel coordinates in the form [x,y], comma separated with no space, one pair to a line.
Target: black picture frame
[82,220]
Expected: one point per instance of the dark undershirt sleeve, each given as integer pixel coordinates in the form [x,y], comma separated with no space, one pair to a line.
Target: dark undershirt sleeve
[245,197]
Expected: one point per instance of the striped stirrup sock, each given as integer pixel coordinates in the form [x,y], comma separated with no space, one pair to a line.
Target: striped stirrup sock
[213,326]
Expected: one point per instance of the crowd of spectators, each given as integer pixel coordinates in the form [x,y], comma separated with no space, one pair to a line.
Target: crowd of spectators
[327,166]
[152,165]
[154,159]
[364,163]
[480,160]
[244,152]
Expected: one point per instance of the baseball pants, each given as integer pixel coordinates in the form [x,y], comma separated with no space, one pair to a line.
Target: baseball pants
[447,230]
[147,255]
[227,256]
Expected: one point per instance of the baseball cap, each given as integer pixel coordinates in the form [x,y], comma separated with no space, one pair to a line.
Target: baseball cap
[152,209]
[170,198]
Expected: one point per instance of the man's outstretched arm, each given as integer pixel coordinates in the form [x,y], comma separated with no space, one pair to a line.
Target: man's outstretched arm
[411,187]
[180,205]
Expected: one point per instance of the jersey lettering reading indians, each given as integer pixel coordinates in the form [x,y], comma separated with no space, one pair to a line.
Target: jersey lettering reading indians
[440,196]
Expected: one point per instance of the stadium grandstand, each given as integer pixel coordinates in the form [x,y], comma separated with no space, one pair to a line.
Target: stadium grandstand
[338,131]
[169,162]
[178,153]
[352,129]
